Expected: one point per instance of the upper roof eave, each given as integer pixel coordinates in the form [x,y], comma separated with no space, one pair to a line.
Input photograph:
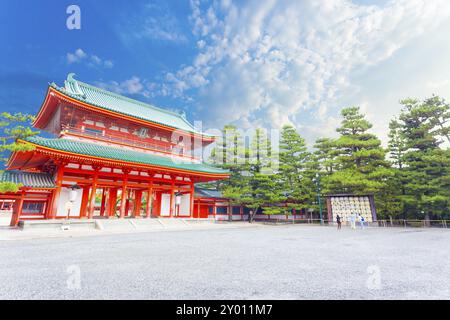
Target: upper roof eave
[98,97]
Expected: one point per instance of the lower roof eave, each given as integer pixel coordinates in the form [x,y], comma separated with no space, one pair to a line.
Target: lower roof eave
[115,162]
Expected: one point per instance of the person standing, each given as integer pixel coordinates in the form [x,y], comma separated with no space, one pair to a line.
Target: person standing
[338,220]
[361,221]
[250,216]
[353,221]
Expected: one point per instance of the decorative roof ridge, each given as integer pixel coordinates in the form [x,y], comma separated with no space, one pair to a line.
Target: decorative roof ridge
[70,78]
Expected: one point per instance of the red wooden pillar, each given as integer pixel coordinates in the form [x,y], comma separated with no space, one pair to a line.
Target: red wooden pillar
[198,208]
[102,207]
[17,210]
[112,202]
[123,198]
[172,195]
[192,200]
[57,191]
[48,206]
[137,204]
[84,202]
[157,203]
[148,209]
[127,202]
[92,197]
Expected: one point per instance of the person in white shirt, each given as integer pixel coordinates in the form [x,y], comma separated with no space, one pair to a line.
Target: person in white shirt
[353,220]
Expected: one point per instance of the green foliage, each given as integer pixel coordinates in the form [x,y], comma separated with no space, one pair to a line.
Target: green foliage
[260,178]
[422,167]
[325,156]
[397,144]
[9,187]
[266,193]
[13,127]
[358,160]
[296,169]
[413,183]
[252,179]
[231,154]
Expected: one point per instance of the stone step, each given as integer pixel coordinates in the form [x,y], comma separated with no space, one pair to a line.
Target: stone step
[115,224]
[57,224]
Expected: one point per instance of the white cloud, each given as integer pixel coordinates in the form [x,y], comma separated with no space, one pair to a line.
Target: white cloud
[275,62]
[153,22]
[91,60]
[133,85]
[77,56]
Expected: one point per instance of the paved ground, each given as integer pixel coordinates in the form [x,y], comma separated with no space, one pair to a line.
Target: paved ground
[261,262]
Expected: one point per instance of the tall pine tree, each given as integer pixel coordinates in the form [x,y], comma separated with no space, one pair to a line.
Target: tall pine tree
[360,165]
[295,170]
[397,147]
[426,165]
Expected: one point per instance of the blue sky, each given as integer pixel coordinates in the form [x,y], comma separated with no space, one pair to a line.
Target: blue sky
[253,63]
[37,43]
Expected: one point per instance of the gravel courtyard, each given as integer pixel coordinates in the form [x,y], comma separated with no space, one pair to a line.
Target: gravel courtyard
[261,262]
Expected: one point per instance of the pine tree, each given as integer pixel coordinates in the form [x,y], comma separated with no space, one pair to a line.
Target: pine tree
[427,166]
[266,189]
[397,146]
[295,170]
[13,127]
[439,117]
[360,165]
[252,181]
[230,153]
[325,156]
[261,156]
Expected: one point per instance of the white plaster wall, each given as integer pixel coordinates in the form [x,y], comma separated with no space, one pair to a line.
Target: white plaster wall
[165,205]
[185,205]
[64,198]
[221,217]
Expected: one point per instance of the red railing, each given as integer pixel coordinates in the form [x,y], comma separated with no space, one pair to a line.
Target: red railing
[143,143]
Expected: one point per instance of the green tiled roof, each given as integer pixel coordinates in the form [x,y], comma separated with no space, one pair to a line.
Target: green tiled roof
[28,179]
[207,193]
[107,152]
[114,102]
